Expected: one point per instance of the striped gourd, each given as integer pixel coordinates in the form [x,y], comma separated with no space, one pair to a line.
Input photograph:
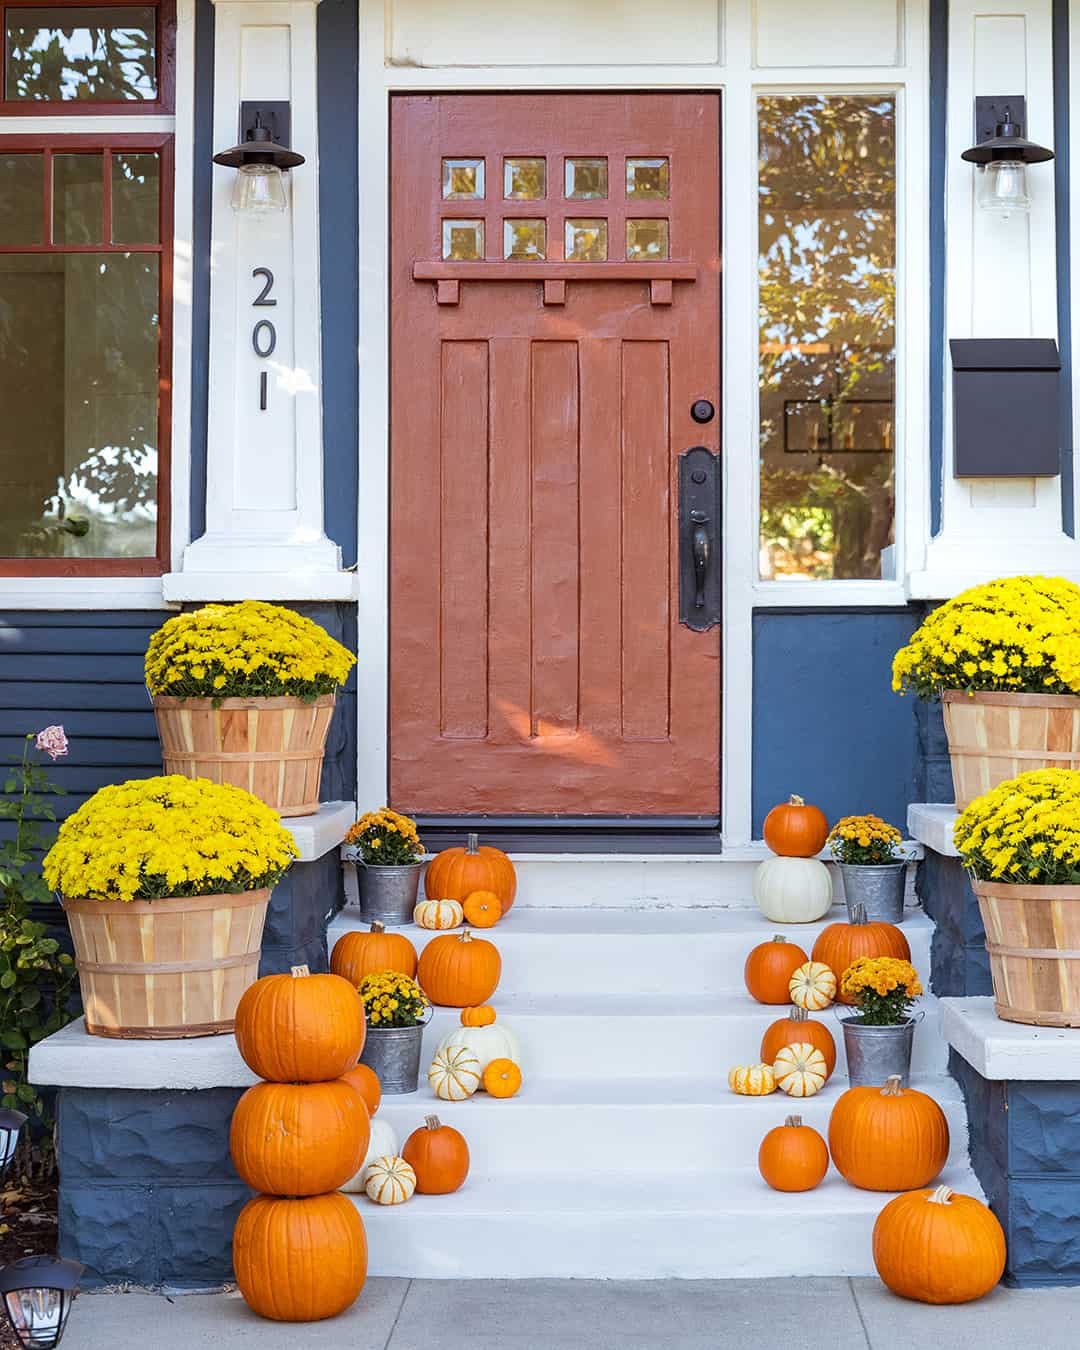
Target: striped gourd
[454,1073]
[390,1181]
[438,914]
[752,1080]
[800,1069]
[813,986]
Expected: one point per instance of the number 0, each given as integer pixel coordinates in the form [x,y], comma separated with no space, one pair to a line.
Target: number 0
[264,338]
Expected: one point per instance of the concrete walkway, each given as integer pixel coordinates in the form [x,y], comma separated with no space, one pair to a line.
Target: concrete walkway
[811,1314]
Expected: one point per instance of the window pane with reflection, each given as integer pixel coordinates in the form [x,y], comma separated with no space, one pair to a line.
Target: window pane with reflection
[97,54]
[827,315]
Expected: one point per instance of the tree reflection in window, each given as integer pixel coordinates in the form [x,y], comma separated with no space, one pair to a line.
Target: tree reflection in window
[93,55]
[827,301]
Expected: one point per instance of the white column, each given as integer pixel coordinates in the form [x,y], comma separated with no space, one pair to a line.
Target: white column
[264,481]
[1001,281]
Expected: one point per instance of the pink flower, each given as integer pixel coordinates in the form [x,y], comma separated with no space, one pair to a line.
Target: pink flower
[53,741]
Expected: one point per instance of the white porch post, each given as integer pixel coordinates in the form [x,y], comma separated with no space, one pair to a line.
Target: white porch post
[264,480]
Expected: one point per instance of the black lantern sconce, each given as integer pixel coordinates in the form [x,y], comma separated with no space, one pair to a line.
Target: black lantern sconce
[1003,154]
[261,158]
[11,1123]
[38,1292]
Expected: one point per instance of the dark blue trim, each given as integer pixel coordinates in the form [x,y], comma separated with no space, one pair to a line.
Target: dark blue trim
[338,40]
[1064,257]
[201,192]
[939,78]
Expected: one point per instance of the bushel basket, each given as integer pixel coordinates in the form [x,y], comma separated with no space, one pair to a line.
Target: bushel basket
[1033,937]
[993,737]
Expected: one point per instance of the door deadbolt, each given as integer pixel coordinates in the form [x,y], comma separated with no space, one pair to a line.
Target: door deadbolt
[701,410]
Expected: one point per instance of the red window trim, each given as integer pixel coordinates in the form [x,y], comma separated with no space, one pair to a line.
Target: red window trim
[108,143]
[163,105]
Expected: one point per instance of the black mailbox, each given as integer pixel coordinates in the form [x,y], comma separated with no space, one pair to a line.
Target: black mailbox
[1006,407]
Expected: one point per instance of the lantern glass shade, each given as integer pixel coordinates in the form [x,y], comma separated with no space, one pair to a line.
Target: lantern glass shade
[11,1122]
[38,1292]
[1003,187]
[259,189]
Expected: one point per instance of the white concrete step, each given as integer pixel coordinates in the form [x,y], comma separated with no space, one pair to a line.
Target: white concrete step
[612,1125]
[652,1223]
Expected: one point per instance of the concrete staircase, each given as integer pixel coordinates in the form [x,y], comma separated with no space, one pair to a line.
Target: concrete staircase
[625,1155]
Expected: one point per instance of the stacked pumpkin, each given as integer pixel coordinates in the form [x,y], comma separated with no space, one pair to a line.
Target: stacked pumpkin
[299,1247]
[794,886]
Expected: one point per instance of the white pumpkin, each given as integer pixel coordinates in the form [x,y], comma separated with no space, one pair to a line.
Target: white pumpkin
[454,1073]
[495,1041]
[793,890]
[390,1181]
[383,1144]
[438,914]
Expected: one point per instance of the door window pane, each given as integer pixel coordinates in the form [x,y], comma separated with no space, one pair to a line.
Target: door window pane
[79,392]
[462,179]
[827,314]
[96,55]
[78,199]
[524,179]
[462,240]
[135,183]
[525,240]
[22,198]
[647,240]
[586,241]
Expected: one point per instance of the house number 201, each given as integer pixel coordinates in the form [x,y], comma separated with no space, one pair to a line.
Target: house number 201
[264,334]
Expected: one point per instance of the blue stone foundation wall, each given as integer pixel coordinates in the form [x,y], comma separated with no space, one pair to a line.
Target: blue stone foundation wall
[148,1192]
[1025,1149]
[959,963]
[301,906]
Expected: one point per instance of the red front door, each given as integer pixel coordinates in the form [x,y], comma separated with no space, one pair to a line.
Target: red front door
[555,314]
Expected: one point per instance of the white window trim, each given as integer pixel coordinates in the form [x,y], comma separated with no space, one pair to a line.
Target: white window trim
[120,592]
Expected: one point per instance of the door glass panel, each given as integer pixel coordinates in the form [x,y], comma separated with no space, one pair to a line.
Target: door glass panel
[827,314]
[135,184]
[462,179]
[586,179]
[22,198]
[524,179]
[525,240]
[79,391]
[586,240]
[78,199]
[96,55]
[648,178]
[462,240]
[646,240]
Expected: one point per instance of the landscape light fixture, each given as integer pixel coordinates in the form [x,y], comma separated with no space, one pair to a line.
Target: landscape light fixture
[38,1292]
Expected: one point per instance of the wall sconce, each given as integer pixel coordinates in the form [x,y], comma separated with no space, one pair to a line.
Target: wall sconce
[1003,155]
[38,1292]
[11,1123]
[261,158]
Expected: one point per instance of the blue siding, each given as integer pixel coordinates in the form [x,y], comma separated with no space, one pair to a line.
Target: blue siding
[826,722]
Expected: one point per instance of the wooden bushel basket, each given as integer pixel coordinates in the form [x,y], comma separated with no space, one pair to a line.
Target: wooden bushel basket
[165,969]
[993,737]
[1033,937]
[273,747]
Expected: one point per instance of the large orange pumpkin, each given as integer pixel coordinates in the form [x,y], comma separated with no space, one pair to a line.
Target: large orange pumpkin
[795,829]
[888,1138]
[365,1081]
[300,1028]
[299,1138]
[769,968]
[798,1026]
[455,873]
[439,1156]
[358,954]
[793,1156]
[300,1260]
[458,970]
[938,1247]
[841,943]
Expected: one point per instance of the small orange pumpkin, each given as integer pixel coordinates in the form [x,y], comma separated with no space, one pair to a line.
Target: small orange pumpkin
[482,909]
[793,1156]
[456,872]
[358,954]
[299,1138]
[798,1026]
[439,1156]
[502,1078]
[769,968]
[888,1138]
[482,1016]
[938,1246]
[457,970]
[300,1028]
[364,1080]
[794,829]
[841,943]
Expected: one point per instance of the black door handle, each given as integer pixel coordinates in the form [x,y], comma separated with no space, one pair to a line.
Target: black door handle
[700,559]
[701,546]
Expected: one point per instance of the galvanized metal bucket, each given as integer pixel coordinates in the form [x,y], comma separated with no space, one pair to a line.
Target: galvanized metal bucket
[388,893]
[393,1055]
[878,887]
[875,1054]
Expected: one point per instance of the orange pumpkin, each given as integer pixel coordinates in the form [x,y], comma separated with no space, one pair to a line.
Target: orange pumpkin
[793,1156]
[482,1016]
[794,829]
[482,909]
[299,1260]
[798,1026]
[769,968]
[300,1028]
[457,970]
[841,943]
[366,1082]
[502,1078]
[455,873]
[439,1156]
[358,954]
[299,1138]
[888,1138]
[938,1247]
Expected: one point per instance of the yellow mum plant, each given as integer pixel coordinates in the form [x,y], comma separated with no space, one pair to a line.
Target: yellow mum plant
[883,988]
[1016,635]
[391,999]
[1026,830]
[151,838]
[864,840]
[386,838]
[249,650]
